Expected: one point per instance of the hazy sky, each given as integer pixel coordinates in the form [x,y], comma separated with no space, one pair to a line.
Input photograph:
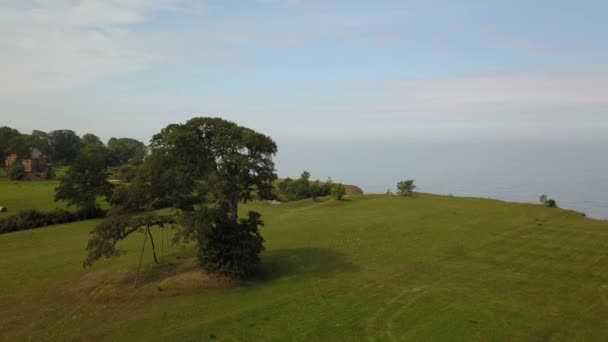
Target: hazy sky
[317,70]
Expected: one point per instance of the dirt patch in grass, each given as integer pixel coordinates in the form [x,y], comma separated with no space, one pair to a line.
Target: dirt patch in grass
[157,281]
[196,279]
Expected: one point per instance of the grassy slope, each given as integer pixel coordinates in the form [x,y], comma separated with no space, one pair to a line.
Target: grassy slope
[381,267]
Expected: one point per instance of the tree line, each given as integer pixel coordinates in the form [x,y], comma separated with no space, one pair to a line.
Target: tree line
[63,146]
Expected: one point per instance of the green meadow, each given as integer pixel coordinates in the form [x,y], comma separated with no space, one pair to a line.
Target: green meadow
[368,268]
[27,195]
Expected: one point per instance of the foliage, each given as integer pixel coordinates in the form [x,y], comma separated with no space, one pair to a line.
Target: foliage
[225,246]
[406,187]
[126,150]
[16,171]
[232,161]
[133,197]
[547,202]
[32,218]
[205,157]
[65,146]
[303,188]
[41,141]
[116,227]
[300,188]
[127,173]
[338,191]
[6,135]
[19,145]
[86,180]
[91,139]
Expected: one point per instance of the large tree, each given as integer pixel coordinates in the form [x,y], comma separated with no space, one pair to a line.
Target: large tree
[206,158]
[65,145]
[86,180]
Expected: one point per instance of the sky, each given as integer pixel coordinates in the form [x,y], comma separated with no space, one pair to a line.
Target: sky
[302,71]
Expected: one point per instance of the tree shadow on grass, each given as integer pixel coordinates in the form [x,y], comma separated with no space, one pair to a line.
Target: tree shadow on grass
[303,262]
[275,264]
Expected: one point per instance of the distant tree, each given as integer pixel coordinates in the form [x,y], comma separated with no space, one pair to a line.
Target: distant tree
[6,134]
[338,191]
[316,189]
[16,171]
[86,180]
[547,202]
[41,141]
[65,146]
[388,191]
[406,187]
[20,145]
[91,139]
[300,188]
[126,150]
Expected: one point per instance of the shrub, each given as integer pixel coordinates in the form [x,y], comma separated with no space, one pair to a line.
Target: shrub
[225,247]
[31,218]
[16,171]
[338,191]
[406,187]
[302,188]
[547,202]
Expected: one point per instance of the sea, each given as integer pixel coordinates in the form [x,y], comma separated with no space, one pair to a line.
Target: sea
[575,175]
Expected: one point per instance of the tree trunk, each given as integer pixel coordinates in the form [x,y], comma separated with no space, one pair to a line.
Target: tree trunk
[152,241]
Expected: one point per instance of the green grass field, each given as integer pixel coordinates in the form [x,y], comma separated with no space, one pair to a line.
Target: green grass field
[27,195]
[371,268]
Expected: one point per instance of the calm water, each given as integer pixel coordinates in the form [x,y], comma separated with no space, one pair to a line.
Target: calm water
[574,175]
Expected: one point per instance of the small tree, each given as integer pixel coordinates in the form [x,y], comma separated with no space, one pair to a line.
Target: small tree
[406,187]
[338,191]
[86,180]
[547,202]
[16,171]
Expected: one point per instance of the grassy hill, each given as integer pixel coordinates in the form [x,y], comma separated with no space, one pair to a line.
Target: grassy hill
[373,267]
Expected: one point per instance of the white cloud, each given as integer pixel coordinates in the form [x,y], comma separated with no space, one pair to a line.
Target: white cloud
[59,44]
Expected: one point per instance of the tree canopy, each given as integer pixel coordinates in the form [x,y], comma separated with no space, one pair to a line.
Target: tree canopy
[126,150]
[205,167]
[86,180]
[65,145]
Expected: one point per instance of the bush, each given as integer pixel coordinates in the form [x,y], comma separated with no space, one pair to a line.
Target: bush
[547,202]
[338,191]
[303,188]
[31,218]
[226,247]
[16,171]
